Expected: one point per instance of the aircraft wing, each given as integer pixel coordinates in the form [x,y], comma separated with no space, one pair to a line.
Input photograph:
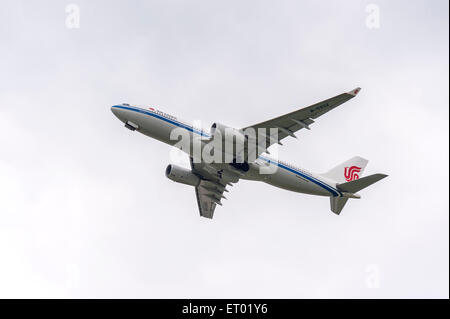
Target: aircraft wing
[290,123]
[212,185]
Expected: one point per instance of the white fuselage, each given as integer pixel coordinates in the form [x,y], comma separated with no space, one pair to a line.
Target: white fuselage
[159,125]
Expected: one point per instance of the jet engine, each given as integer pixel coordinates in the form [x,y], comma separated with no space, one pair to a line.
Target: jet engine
[182,175]
[229,132]
[233,141]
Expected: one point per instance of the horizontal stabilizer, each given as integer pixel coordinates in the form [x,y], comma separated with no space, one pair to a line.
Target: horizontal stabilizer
[359,184]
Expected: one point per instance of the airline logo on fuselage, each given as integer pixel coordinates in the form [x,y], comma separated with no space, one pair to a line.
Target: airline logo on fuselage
[162,113]
[351,173]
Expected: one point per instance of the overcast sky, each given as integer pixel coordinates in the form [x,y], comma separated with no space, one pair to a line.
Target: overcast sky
[85,208]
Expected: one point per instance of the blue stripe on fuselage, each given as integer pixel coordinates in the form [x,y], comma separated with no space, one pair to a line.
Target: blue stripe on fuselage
[325,186]
[159,116]
[309,178]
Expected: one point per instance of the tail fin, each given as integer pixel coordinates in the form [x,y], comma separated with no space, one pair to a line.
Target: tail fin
[346,175]
[347,171]
[350,188]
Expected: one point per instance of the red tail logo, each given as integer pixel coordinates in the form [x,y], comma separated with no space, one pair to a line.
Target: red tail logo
[351,173]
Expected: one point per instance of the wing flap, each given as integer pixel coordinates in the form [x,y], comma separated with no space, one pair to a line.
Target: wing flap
[209,191]
[206,205]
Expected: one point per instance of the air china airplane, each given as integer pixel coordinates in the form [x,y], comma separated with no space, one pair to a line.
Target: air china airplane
[210,179]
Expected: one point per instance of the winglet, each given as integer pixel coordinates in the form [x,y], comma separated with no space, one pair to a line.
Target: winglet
[354,92]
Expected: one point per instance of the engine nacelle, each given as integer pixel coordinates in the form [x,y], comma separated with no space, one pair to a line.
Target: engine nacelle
[182,175]
[226,131]
[233,141]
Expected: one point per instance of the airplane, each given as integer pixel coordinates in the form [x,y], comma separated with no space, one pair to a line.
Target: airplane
[211,178]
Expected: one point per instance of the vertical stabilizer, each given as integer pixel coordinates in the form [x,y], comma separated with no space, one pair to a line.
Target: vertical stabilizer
[348,182]
[347,171]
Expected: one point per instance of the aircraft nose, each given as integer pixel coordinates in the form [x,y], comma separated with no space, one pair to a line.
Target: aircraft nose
[118,112]
[114,110]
